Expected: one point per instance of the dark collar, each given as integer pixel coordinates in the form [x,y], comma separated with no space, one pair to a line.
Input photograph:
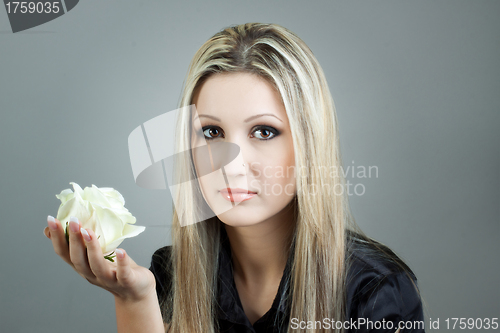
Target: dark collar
[230,307]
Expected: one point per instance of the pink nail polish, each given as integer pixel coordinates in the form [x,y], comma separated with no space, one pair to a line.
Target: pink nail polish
[85,235]
[74,226]
[120,254]
[51,222]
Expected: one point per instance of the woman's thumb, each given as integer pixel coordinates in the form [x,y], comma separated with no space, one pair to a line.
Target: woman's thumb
[124,272]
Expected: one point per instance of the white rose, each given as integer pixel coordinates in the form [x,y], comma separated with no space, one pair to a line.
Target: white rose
[100,209]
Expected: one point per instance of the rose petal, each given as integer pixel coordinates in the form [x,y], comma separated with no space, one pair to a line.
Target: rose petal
[111,225]
[65,195]
[77,188]
[122,213]
[128,231]
[73,207]
[93,195]
[91,222]
[127,218]
[111,192]
[99,232]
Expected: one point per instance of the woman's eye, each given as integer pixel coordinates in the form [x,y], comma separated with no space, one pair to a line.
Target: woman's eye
[211,133]
[265,133]
[261,132]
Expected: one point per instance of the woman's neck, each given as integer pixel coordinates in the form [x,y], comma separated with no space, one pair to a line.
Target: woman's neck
[260,251]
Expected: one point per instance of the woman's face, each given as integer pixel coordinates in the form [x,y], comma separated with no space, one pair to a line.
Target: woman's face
[245,110]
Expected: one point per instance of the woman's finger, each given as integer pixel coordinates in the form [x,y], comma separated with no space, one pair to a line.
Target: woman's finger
[77,249]
[46,232]
[124,273]
[97,263]
[58,239]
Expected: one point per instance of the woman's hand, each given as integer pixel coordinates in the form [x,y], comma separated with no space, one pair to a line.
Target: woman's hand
[123,278]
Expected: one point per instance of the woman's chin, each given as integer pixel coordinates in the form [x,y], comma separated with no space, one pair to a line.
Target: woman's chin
[238,218]
[235,209]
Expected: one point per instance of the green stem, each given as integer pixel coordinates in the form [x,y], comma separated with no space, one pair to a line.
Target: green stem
[110,257]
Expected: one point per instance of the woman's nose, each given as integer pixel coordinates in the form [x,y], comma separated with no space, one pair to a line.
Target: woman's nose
[236,167]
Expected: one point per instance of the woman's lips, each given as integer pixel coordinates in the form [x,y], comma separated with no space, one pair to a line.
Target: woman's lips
[237,194]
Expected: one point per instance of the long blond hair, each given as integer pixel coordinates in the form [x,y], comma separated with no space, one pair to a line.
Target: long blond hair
[323,218]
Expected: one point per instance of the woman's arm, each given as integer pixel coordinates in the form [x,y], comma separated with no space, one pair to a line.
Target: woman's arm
[139,316]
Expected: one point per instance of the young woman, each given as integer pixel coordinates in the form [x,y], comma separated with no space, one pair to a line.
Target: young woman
[281,252]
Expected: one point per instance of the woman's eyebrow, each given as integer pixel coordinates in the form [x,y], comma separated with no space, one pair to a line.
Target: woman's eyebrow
[246,120]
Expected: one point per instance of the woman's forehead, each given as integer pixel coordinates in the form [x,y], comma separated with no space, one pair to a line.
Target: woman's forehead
[238,95]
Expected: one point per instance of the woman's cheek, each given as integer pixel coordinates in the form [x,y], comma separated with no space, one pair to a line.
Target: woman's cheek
[276,181]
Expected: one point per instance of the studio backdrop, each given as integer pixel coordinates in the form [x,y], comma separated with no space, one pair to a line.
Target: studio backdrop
[416,88]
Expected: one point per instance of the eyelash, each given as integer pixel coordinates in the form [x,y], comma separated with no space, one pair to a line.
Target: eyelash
[256,128]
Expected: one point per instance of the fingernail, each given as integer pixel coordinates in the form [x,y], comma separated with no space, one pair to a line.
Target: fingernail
[85,235]
[74,226]
[120,254]
[52,222]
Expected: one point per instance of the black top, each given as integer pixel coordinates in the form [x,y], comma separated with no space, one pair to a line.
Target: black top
[379,296]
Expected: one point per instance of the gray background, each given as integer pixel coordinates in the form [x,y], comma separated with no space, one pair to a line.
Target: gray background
[416,86]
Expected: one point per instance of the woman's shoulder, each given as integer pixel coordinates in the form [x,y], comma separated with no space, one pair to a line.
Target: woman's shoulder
[161,254]
[367,255]
[161,268]
[161,258]
[379,285]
